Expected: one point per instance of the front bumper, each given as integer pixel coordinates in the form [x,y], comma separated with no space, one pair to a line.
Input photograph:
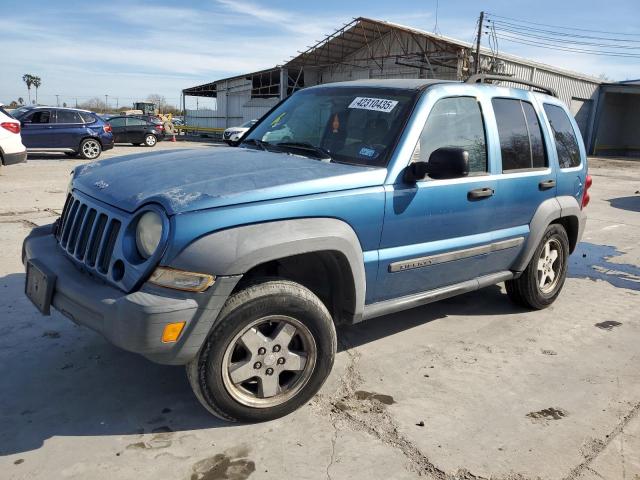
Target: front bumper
[133,321]
[13,158]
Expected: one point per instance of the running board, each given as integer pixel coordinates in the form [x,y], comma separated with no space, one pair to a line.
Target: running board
[417,299]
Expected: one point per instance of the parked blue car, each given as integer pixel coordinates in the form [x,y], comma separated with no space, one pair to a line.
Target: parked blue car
[68,130]
[347,201]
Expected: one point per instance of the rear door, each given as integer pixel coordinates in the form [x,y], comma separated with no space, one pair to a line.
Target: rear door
[525,178]
[68,129]
[119,129]
[36,129]
[136,129]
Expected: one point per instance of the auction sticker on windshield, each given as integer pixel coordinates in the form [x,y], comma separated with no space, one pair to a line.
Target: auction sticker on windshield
[375,104]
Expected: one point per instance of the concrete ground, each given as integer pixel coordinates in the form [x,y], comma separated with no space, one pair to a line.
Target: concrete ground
[467,388]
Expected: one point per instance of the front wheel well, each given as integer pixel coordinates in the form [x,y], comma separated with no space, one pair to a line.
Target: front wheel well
[571,226]
[326,273]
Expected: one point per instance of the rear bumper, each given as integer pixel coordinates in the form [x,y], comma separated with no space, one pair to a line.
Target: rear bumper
[13,158]
[133,321]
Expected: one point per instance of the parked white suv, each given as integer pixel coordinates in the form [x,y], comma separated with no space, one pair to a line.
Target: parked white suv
[233,134]
[11,148]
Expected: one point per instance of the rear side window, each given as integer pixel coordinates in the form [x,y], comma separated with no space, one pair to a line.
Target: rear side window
[566,142]
[117,122]
[87,117]
[136,122]
[456,122]
[521,142]
[68,116]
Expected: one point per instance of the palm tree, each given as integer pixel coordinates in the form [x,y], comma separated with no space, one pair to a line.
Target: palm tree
[21,100]
[37,81]
[28,79]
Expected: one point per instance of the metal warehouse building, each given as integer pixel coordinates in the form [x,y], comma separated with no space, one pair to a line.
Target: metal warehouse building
[367,48]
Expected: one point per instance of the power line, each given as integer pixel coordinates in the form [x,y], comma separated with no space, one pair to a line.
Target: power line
[502,24]
[565,27]
[555,46]
[576,42]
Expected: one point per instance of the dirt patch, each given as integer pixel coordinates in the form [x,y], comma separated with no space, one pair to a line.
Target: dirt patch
[548,414]
[608,325]
[231,465]
[380,397]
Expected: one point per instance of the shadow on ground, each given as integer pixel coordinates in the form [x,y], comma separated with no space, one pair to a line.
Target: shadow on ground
[63,380]
[631,203]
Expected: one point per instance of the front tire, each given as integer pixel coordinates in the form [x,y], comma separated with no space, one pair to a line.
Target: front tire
[541,282]
[90,149]
[269,353]
[150,140]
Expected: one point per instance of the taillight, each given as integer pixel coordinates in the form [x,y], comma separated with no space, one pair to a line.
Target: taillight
[585,193]
[107,128]
[13,127]
[159,127]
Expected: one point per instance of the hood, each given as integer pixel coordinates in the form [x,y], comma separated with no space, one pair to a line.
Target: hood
[188,180]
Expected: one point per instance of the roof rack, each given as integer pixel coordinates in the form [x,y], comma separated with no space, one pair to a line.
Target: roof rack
[486,78]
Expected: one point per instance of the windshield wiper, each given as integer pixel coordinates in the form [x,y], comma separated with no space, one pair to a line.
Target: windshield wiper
[320,152]
[259,143]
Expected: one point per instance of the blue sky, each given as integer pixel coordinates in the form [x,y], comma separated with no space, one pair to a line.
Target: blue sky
[129,49]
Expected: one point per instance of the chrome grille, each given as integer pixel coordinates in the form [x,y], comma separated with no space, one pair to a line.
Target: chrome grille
[88,234]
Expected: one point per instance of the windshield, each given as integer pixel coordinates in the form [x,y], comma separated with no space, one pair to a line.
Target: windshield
[20,112]
[355,125]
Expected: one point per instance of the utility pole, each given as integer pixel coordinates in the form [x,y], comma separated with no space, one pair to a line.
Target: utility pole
[57,101]
[76,102]
[480,25]
[106,102]
[117,102]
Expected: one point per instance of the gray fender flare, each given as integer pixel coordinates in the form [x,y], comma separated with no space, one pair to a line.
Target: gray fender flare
[237,250]
[550,210]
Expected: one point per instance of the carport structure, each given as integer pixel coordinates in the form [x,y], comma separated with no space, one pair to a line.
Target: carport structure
[616,128]
[367,48]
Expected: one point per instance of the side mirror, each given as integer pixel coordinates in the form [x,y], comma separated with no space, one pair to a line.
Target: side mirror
[445,162]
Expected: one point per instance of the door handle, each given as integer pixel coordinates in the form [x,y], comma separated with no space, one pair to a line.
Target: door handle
[547,184]
[484,192]
[480,193]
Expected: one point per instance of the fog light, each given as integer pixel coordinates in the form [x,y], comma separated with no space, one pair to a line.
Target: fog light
[172,331]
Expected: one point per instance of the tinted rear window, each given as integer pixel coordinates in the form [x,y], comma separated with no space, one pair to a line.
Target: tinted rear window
[5,112]
[565,136]
[521,142]
[68,116]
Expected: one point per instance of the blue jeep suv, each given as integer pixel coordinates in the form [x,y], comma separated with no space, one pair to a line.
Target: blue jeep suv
[68,130]
[347,201]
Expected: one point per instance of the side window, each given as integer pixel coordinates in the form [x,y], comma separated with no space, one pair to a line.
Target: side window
[117,122]
[521,143]
[136,122]
[456,122]
[566,143]
[41,116]
[68,116]
[87,117]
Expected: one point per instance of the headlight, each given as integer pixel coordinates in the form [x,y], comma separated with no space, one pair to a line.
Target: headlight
[148,233]
[70,184]
[181,280]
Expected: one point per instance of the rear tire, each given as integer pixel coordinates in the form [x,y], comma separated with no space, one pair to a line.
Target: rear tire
[150,140]
[90,149]
[541,282]
[271,350]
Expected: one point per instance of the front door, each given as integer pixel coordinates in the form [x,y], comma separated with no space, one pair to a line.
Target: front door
[36,130]
[439,232]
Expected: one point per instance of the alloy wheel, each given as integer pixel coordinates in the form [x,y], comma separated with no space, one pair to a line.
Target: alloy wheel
[269,361]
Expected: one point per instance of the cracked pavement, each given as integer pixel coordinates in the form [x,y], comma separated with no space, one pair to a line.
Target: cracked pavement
[468,388]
